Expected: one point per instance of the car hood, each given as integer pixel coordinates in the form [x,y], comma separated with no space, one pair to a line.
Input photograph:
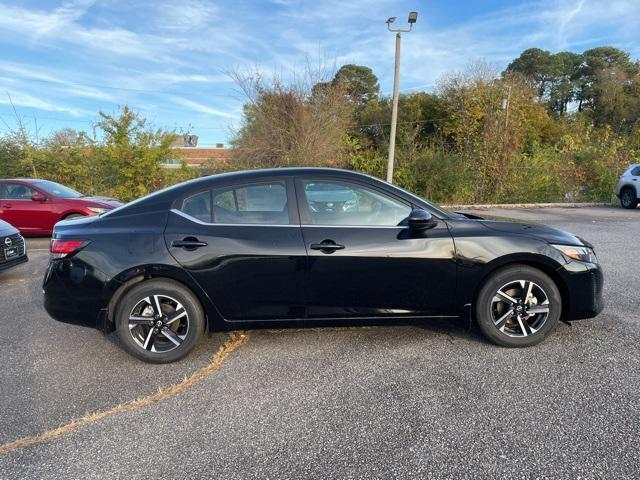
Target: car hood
[104,202]
[542,232]
[6,229]
[536,230]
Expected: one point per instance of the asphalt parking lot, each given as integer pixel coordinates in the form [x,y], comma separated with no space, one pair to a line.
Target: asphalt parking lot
[432,401]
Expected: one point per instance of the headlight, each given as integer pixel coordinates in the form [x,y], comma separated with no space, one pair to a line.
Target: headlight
[581,254]
[98,210]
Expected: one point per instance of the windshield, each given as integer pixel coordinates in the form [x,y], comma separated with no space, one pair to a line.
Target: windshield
[436,208]
[57,190]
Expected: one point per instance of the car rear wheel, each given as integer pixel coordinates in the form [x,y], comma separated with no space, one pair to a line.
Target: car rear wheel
[628,198]
[518,306]
[159,321]
[73,216]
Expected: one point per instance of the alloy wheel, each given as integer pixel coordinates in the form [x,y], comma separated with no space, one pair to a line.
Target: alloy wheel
[158,323]
[520,308]
[627,198]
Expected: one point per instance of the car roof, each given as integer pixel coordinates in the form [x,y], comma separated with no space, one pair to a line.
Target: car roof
[275,172]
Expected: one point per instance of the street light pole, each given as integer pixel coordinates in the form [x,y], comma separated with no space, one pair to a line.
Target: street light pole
[413,16]
[394,113]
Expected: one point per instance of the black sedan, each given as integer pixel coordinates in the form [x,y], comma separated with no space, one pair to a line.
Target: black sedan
[13,249]
[267,247]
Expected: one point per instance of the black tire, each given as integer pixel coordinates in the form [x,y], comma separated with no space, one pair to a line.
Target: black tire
[628,198]
[170,341]
[516,330]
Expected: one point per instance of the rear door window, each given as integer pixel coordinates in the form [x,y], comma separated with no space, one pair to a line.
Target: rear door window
[260,203]
[17,191]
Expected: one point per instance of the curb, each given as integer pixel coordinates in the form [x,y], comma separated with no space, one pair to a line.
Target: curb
[491,206]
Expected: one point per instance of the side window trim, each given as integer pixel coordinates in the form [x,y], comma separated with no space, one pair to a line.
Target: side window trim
[208,224]
[305,214]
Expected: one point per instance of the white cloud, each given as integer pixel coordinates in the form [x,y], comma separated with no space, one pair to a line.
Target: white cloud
[184,16]
[22,99]
[199,107]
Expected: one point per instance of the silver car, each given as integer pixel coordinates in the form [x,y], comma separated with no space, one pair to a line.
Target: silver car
[628,189]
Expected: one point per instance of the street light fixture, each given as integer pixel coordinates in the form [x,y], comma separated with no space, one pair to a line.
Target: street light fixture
[413,17]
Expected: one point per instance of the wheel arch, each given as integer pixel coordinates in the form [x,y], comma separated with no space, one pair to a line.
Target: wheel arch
[67,214]
[127,280]
[542,263]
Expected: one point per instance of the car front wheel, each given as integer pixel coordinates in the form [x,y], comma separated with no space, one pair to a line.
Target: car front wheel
[518,306]
[159,321]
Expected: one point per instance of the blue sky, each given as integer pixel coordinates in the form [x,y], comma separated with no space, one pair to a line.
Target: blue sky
[62,61]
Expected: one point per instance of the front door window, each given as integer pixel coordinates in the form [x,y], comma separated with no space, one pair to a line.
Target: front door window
[331,202]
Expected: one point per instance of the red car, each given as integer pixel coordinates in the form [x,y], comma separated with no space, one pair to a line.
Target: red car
[34,206]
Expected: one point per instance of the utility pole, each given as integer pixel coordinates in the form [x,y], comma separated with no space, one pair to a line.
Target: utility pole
[506,108]
[413,16]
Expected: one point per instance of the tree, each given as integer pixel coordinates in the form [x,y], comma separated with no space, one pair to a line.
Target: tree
[552,75]
[536,65]
[291,123]
[421,116]
[594,62]
[563,88]
[357,81]
[131,155]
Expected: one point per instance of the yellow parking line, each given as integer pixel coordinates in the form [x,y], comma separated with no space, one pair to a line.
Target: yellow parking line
[235,341]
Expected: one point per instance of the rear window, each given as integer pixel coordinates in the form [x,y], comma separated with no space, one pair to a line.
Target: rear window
[636,172]
[198,206]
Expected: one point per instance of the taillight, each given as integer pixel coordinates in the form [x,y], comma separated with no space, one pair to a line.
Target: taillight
[62,248]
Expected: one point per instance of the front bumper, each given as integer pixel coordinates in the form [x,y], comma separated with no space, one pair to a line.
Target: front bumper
[584,283]
[6,265]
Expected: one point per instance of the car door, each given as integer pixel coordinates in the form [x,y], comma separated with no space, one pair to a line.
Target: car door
[20,210]
[243,244]
[364,261]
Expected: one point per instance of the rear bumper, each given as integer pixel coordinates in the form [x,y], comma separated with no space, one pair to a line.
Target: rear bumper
[584,283]
[6,265]
[75,293]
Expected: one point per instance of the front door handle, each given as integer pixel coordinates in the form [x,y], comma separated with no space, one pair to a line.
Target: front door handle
[189,243]
[326,246]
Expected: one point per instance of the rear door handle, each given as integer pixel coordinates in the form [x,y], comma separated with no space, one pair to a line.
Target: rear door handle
[189,243]
[326,246]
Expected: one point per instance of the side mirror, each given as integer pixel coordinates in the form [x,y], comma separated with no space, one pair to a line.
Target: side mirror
[421,220]
[38,197]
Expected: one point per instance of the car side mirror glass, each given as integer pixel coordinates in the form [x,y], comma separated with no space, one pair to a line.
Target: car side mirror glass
[38,197]
[421,220]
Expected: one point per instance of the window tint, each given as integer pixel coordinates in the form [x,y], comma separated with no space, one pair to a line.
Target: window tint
[258,203]
[343,203]
[636,172]
[198,206]
[16,191]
